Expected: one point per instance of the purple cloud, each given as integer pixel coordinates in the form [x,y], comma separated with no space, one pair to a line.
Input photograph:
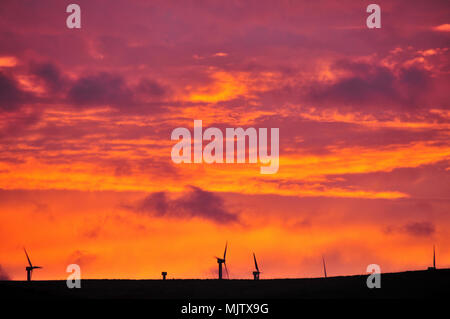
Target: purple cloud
[11,96]
[50,74]
[100,89]
[419,229]
[370,86]
[193,203]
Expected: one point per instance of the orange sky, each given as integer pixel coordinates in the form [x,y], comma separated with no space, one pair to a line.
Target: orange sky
[86,116]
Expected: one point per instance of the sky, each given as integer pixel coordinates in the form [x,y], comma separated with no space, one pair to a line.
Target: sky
[86,116]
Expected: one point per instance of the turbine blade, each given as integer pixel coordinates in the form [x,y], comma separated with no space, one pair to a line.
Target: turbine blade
[226,270]
[29,261]
[225,252]
[256,264]
[324,267]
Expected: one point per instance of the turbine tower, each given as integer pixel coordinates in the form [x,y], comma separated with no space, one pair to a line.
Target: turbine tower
[30,268]
[434,260]
[257,272]
[221,261]
[324,267]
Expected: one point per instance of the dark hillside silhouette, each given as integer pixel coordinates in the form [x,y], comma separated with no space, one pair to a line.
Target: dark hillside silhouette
[410,284]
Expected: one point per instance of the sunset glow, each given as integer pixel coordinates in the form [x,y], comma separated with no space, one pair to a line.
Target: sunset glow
[86,116]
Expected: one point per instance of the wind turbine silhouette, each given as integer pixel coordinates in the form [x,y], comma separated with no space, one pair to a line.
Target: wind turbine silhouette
[30,268]
[221,261]
[434,260]
[324,267]
[257,272]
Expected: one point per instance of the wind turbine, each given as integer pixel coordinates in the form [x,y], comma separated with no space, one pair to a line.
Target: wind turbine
[257,272]
[221,261]
[30,268]
[324,267]
[434,260]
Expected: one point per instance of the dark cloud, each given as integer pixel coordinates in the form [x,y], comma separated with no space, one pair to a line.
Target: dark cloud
[50,74]
[113,90]
[205,204]
[373,86]
[414,78]
[419,229]
[3,274]
[150,88]
[156,203]
[101,89]
[414,229]
[11,96]
[193,203]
